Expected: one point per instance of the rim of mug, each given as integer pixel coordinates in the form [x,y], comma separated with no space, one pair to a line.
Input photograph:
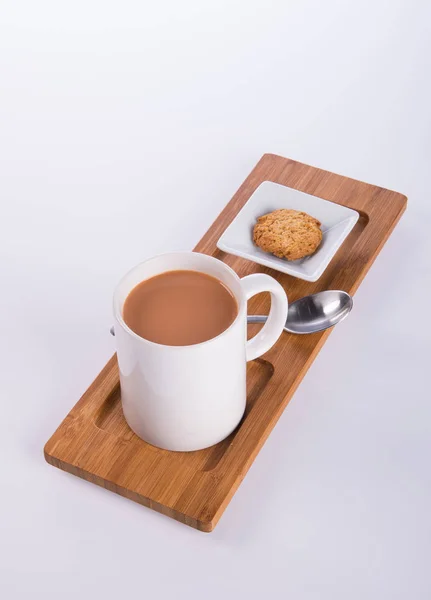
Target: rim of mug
[118,309]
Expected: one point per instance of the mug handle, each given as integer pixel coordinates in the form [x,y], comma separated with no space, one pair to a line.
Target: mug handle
[271,331]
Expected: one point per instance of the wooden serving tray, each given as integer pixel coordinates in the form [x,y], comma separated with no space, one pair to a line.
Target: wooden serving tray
[94,441]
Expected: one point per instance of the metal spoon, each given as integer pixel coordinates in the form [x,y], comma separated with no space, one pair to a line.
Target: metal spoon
[314,313]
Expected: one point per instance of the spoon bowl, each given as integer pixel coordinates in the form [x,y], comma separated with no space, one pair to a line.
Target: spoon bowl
[314,313]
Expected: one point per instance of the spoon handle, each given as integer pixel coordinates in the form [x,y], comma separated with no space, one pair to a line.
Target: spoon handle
[256,318]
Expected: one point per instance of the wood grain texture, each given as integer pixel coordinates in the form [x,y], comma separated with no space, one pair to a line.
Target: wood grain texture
[94,441]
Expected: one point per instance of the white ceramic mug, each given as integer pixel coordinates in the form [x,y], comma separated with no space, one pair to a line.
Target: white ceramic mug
[191,397]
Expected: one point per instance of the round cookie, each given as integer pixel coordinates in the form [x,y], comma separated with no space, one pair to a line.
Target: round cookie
[288,233]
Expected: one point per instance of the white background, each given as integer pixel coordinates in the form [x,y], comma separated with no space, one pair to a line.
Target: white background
[125,127]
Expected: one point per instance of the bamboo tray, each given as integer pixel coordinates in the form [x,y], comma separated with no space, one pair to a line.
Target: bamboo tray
[94,441]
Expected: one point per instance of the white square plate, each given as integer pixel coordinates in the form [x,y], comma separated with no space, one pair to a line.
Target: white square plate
[337,222]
